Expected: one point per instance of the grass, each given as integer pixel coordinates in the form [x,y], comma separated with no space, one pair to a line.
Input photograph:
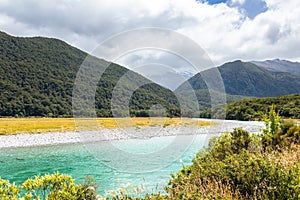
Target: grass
[10,126]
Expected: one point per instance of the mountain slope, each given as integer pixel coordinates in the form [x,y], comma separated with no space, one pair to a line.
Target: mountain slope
[38,74]
[278,65]
[247,79]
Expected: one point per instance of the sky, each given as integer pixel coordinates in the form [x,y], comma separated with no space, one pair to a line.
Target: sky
[226,30]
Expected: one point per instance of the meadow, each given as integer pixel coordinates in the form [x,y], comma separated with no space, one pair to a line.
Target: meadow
[10,126]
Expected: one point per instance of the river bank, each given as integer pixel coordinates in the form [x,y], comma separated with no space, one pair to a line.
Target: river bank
[54,138]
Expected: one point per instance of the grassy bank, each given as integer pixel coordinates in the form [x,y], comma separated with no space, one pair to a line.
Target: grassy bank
[43,125]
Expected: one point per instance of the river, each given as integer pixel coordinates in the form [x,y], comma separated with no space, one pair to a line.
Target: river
[148,162]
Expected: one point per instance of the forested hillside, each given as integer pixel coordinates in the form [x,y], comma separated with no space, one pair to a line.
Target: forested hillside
[241,80]
[38,74]
[247,79]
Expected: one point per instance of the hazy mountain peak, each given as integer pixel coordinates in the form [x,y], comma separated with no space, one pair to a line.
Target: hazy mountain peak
[278,65]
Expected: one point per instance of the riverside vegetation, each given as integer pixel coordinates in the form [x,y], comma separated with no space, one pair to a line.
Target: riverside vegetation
[254,108]
[235,165]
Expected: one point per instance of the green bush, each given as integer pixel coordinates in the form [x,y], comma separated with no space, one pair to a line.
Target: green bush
[50,187]
[8,191]
[235,167]
[279,133]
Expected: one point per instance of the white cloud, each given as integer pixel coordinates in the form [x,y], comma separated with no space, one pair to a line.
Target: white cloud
[225,32]
[240,2]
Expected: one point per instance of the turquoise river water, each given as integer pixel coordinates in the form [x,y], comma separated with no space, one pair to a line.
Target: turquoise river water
[17,164]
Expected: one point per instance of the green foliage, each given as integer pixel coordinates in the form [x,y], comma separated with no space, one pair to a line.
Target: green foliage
[254,108]
[279,133]
[231,143]
[272,122]
[287,136]
[234,167]
[53,187]
[8,191]
[50,187]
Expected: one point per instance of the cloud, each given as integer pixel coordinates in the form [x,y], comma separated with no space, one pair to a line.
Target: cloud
[148,63]
[240,2]
[239,30]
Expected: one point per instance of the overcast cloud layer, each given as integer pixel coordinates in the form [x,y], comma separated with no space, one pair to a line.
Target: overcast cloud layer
[236,29]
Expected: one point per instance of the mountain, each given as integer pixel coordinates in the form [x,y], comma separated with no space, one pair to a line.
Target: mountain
[278,65]
[38,76]
[247,79]
[241,80]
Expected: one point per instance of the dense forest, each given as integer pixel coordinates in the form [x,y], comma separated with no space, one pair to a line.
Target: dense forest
[254,108]
[38,75]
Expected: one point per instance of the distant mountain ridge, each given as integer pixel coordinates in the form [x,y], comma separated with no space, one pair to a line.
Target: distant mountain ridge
[278,65]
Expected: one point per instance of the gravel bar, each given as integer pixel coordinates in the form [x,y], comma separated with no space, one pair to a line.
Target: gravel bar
[26,140]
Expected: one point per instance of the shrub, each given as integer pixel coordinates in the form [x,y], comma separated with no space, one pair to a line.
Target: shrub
[50,187]
[8,191]
[234,167]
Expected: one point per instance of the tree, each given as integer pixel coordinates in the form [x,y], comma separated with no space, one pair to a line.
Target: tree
[272,122]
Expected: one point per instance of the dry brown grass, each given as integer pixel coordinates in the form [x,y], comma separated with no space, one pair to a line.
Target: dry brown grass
[287,157]
[43,125]
[205,189]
